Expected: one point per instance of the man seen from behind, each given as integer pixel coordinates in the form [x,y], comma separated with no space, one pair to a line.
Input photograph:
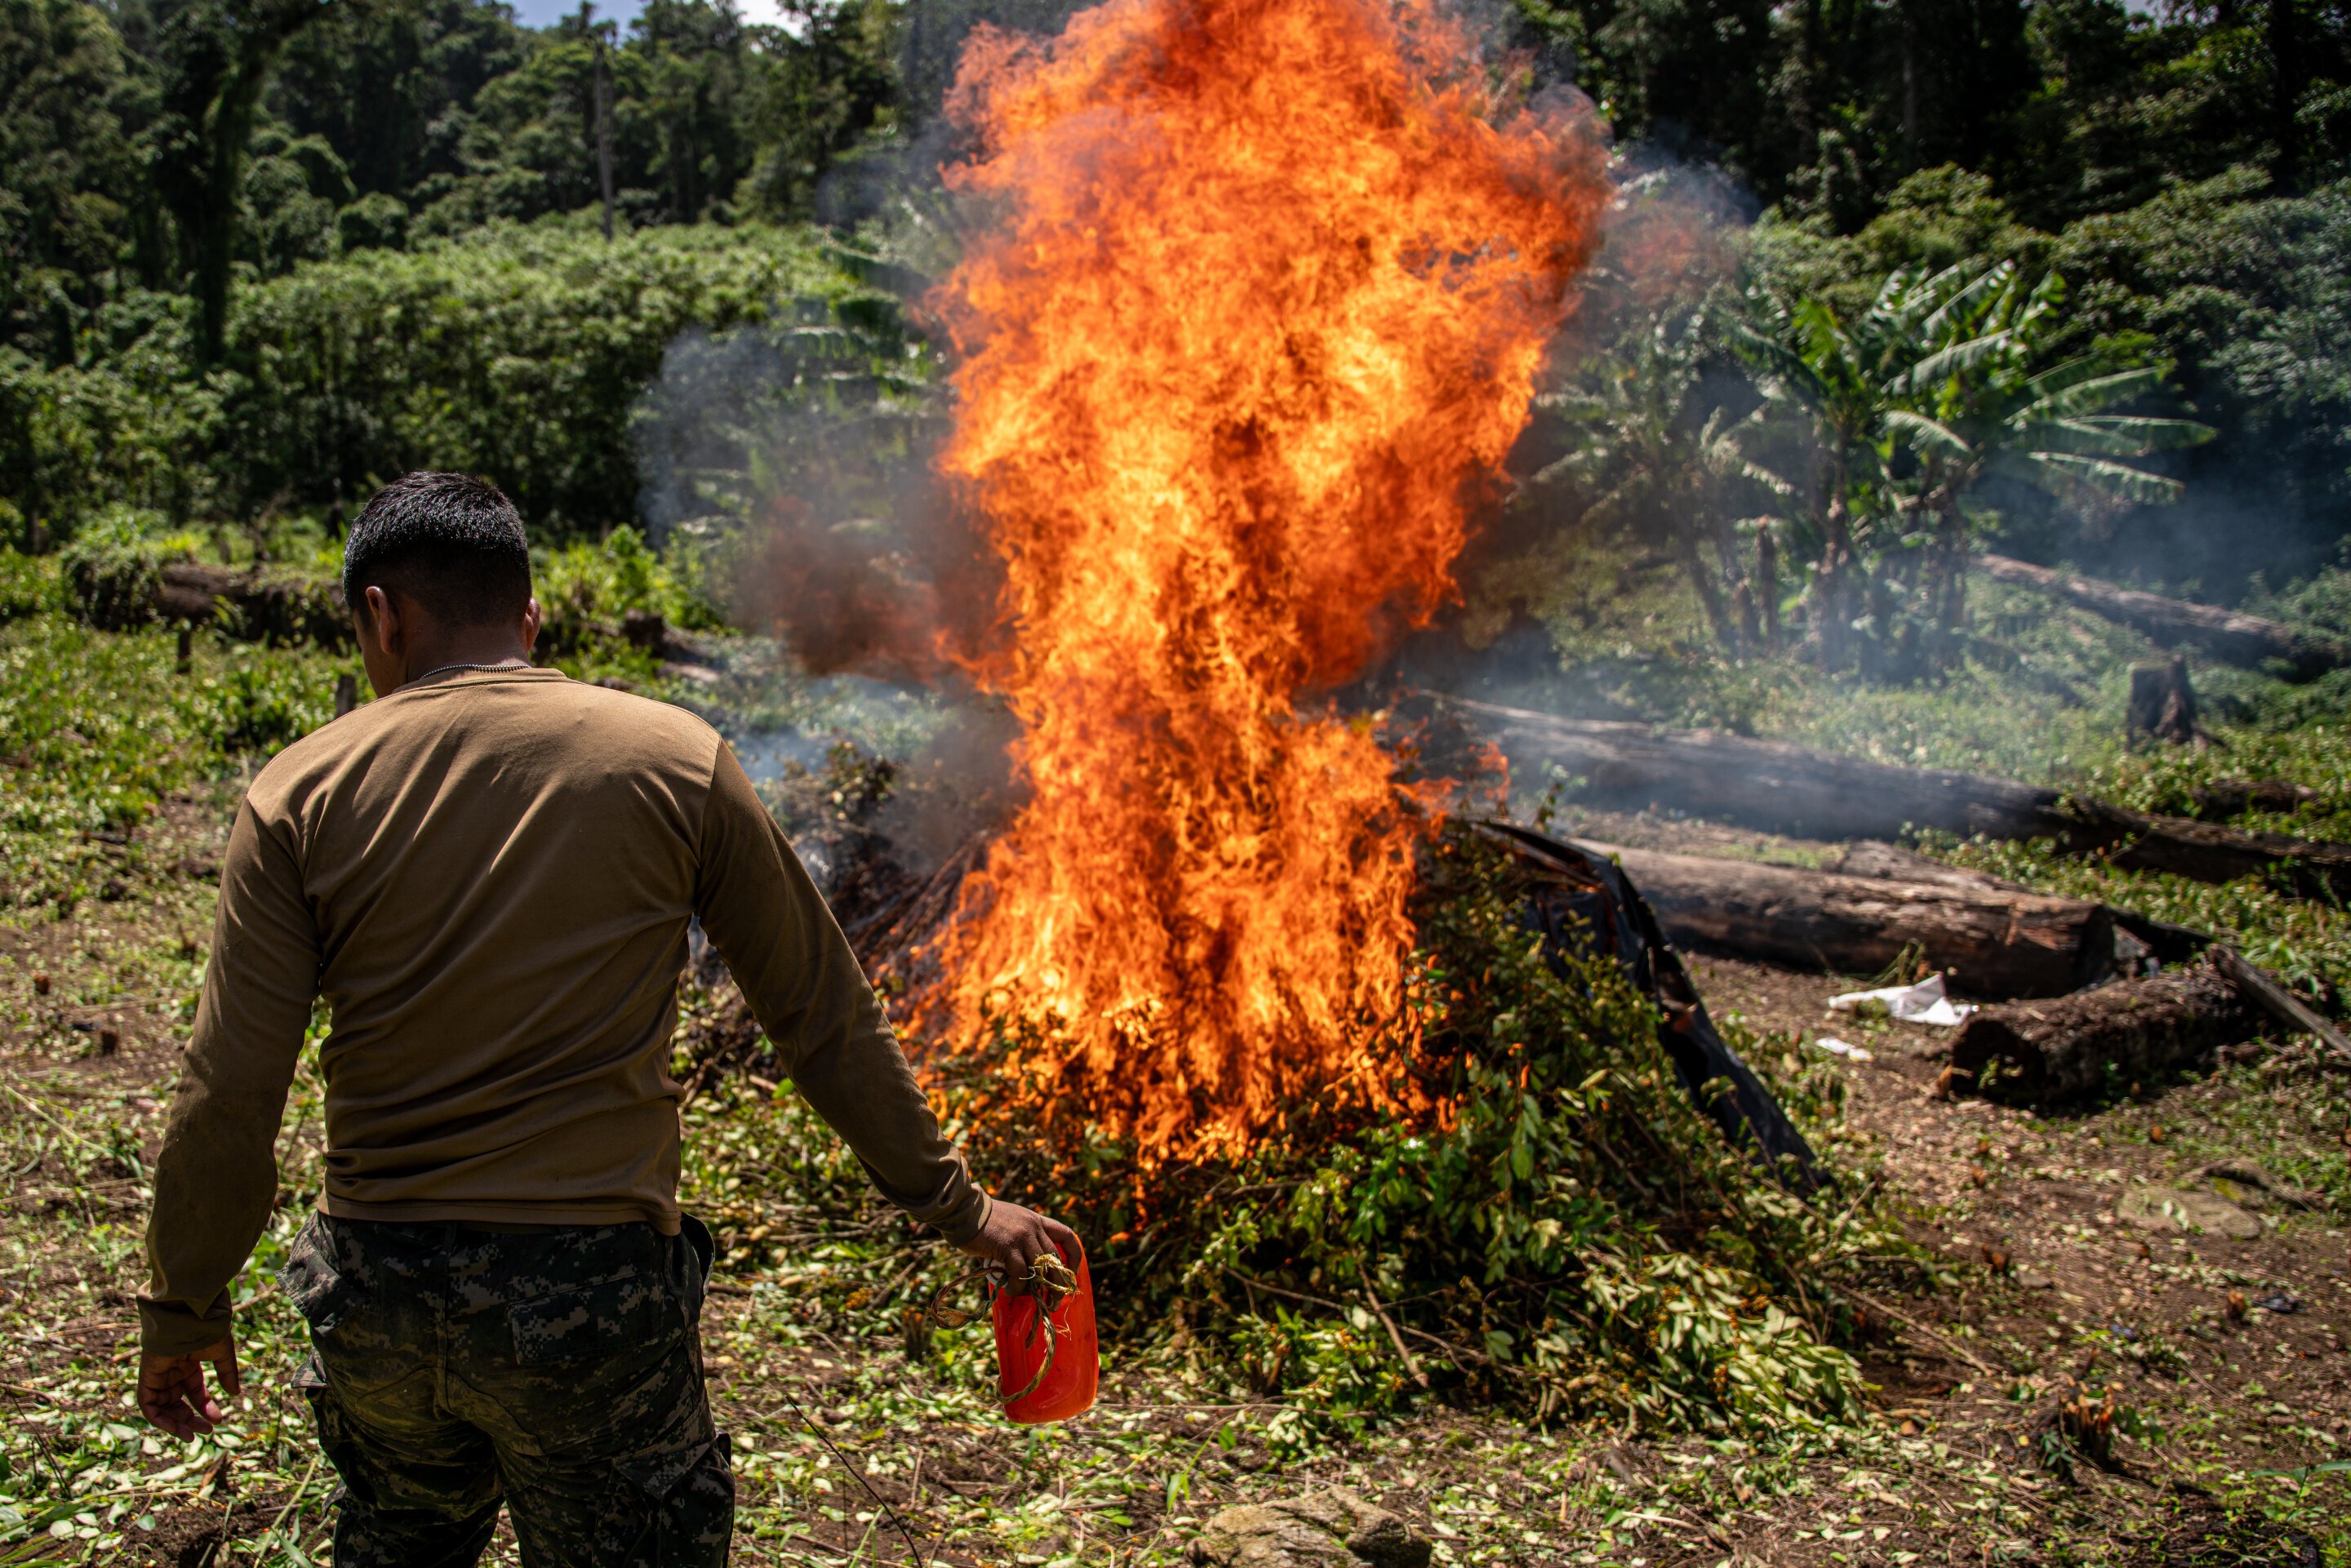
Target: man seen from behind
[488,875]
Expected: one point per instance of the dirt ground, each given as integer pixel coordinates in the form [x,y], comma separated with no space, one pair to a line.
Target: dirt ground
[2225,1357]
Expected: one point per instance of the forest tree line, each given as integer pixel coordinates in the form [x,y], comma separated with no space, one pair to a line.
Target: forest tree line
[260,255]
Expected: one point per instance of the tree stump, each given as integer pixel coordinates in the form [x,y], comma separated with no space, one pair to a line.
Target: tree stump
[2163,704]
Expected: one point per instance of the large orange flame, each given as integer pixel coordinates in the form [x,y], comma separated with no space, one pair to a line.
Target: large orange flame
[1268,287]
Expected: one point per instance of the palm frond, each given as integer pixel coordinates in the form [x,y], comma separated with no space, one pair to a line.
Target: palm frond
[1962,302]
[1928,437]
[2114,435]
[2066,374]
[2080,394]
[2075,476]
[1958,360]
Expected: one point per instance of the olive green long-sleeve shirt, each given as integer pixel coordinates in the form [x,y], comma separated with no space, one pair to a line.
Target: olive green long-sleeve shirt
[488,875]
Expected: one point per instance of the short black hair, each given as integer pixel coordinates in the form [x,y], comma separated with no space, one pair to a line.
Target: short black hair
[452,542]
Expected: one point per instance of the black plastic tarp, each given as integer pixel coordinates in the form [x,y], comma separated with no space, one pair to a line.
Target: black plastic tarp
[1584,905]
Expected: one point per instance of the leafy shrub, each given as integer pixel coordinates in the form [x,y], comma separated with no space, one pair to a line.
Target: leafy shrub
[96,727]
[515,352]
[114,571]
[135,429]
[260,706]
[606,580]
[29,584]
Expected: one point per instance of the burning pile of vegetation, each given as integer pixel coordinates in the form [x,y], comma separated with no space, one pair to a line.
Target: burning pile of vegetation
[1561,1230]
[1258,313]
[1265,295]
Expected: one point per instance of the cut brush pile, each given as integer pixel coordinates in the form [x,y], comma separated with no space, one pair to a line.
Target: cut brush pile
[1567,1232]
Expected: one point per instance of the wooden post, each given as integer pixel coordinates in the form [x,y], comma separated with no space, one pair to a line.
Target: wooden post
[187,650]
[346,693]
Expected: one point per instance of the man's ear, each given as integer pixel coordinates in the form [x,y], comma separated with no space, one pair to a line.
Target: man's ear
[381,623]
[533,617]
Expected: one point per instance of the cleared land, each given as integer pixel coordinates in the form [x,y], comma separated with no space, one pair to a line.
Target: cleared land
[2226,1357]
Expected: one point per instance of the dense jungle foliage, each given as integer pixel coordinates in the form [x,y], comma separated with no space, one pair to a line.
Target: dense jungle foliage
[1887,281]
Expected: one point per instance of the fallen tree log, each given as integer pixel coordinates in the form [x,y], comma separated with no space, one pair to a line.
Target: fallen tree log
[1765,784]
[1992,942]
[2233,638]
[2096,1042]
[2261,988]
[2206,851]
[258,605]
[2227,797]
[1892,863]
[1786,788]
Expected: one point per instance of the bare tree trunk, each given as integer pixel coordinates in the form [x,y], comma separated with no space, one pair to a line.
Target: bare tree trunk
[1788,789]
[2244,640]
[1767,585]
[604,128]
[1831,616]
[2288,74]
[216,65]
[1951,606]
[1907,27]
[1710,595]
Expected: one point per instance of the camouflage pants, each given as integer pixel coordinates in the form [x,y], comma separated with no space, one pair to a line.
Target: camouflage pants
[558,1371]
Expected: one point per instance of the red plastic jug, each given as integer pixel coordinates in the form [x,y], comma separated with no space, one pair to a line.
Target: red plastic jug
[1046,1360]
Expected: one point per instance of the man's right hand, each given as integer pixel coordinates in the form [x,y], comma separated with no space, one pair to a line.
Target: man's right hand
[171,1391]
[1014,1238]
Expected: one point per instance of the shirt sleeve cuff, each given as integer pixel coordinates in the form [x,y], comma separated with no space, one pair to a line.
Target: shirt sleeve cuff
[172,1328]
[966,1220]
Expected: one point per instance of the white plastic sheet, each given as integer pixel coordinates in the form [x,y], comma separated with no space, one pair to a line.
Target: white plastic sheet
[1926,1002]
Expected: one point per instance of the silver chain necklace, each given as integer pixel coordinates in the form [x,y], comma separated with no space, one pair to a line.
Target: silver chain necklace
[445,669]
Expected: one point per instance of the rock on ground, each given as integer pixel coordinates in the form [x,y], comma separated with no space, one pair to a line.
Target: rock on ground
[1331,1529]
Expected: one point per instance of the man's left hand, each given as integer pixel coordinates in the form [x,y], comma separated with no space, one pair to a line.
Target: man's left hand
[171,1391]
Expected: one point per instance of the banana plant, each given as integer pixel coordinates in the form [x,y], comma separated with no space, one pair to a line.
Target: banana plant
[1656,455]
[1972,404]
[1939,385]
